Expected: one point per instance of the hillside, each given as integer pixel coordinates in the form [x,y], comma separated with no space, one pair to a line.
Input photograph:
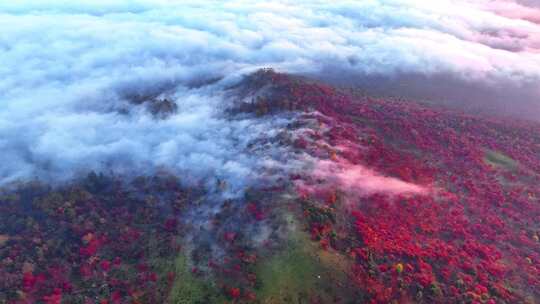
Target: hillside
[359,200]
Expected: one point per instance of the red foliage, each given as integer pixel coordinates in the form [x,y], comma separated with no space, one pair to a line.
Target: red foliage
[255,211]
[472,233]
[98,240]
[105,265]
[54,298]
[171,224]
[234,292]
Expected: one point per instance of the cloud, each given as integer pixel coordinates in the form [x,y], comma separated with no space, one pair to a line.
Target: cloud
[69,70]
[357,181]
[196,143]
[521,9]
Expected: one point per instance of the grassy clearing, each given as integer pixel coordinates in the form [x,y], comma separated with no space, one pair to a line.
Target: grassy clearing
[499,160]
[288,277]
[188,289]
[301,273]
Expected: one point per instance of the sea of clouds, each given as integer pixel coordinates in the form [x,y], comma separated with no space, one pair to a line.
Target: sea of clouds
[67,68]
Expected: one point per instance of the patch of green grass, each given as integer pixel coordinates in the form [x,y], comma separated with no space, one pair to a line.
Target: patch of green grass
[300,273]
[288,277]
[500,160]
[188,289]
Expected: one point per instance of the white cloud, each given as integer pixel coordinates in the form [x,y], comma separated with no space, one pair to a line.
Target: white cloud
[68,66]
[356,181]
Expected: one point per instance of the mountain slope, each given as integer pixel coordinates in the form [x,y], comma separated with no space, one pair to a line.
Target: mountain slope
[370,201]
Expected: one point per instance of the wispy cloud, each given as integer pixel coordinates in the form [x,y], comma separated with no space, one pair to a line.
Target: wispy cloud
[68,69]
